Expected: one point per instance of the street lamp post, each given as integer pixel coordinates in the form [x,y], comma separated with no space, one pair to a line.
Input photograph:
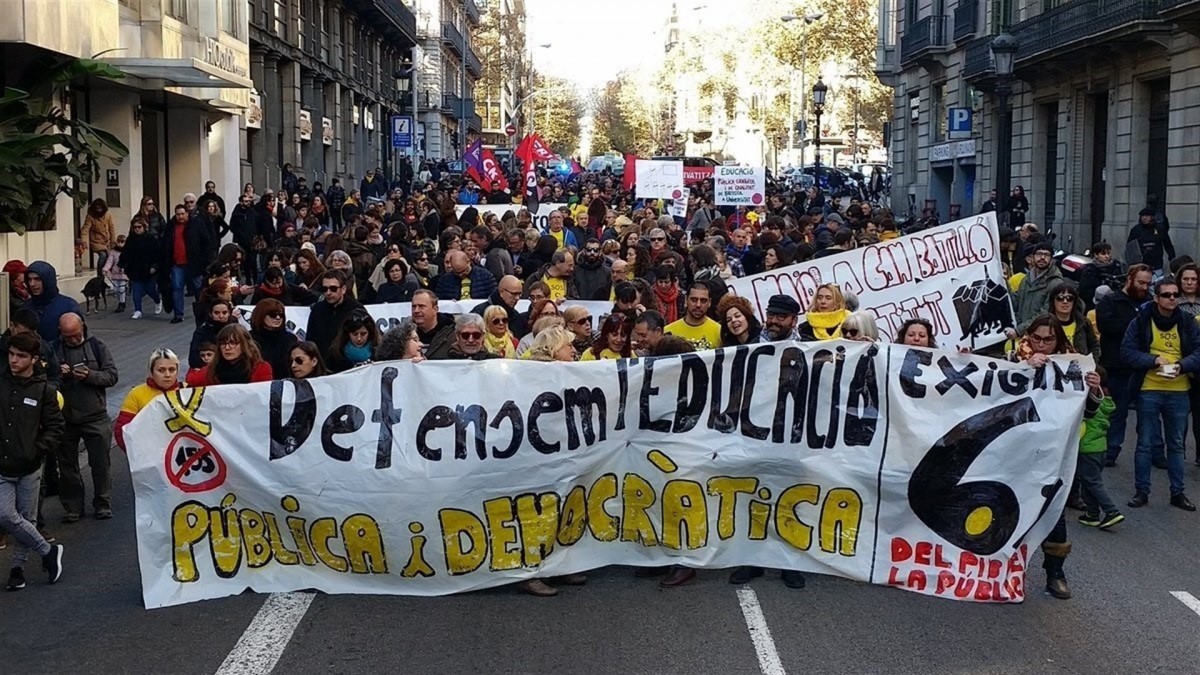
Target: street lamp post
[808,20]
[818,96]
[1004,50]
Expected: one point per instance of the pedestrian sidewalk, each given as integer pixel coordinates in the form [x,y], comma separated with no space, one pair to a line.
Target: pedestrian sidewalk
[132,340]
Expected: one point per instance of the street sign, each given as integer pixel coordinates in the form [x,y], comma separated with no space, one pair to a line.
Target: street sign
[511,129]
[402,131]
[959,123]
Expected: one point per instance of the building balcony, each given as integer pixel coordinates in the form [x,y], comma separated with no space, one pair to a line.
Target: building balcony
[472,11]
[1185,13]
[474,66]
[474,121]
[966,16]
[1084,23]
[391,15]
[452,37]
[459,107]
[978,65]
[924,39]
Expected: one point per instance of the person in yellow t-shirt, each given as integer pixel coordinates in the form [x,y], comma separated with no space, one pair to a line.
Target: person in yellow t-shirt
[614,342]
[1163,345]
[696,327]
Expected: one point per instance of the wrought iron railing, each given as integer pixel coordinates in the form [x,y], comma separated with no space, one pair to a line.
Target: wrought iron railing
[924,35]
[966,15]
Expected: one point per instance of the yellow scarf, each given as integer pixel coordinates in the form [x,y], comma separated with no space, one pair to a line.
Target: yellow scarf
[827,325]
[501,346]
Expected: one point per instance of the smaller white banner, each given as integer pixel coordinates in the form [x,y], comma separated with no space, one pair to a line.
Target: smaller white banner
[660,179]
[739,185]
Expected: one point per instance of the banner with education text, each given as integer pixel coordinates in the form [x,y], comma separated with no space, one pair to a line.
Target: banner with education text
[950,275]
[926,470]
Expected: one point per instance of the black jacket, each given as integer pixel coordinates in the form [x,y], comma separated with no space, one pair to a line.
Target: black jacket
[1093,276]
[516,320]
[1151,242]
[276,347]
[198,241]
[1114,313]
[242,225]
[28,432]
[325,320]
[592,280]
[205,332]
[141,257]
[439,340]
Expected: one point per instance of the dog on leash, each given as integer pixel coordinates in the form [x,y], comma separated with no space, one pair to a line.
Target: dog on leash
[94,293]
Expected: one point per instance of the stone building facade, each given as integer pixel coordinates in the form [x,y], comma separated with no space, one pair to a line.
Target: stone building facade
[1105,110]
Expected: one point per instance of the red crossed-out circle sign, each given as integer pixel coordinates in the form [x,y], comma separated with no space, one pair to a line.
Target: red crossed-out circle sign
[193,464]
[511,130]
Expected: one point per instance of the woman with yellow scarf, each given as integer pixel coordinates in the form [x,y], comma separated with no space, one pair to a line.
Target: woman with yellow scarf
[825,316]
[498,340]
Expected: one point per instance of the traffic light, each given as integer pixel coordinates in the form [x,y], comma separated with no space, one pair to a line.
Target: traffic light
[800,128]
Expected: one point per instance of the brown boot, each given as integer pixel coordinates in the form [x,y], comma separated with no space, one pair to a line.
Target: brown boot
[571,580]
[679,576]
[537,587]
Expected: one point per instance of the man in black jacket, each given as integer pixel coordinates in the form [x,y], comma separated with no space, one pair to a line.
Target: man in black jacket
[1148,242]
[591,275]
[508,292]
[1114,313]
[435,328]
[189,262]
[335,305]
[30,429]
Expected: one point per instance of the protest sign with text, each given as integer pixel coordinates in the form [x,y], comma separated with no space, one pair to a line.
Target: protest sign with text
[950,275]
[927,470]
[739,185]
[541,219]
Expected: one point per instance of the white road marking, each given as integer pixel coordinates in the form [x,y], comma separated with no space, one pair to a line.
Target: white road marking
[259,648]
[760,634]
[1187,599]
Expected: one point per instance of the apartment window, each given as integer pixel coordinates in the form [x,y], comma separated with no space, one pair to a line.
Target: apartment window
[324,25]
[280,19]
[177,9]
[230,21]
[334,28]
[937,106]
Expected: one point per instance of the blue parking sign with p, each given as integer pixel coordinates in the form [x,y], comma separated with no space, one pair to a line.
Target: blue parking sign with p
[402,131]
[959,125]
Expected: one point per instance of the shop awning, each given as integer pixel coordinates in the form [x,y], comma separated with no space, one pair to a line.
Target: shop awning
[181,73]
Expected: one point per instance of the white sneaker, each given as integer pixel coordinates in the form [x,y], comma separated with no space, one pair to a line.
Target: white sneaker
[136,315]
[157,308]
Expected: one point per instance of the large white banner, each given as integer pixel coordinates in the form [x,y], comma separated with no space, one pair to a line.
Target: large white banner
[950,275]
[660,179]
[739,185]
[926,470]
[389,314]
[541,219]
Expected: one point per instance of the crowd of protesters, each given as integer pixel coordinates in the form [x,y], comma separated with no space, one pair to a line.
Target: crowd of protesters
[420,240]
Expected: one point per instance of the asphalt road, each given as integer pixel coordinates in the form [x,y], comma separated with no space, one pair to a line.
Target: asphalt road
[1123,618]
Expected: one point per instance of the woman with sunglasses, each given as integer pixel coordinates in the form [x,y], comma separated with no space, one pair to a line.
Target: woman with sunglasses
[355,343]
[304,362]
[164,376]
[238,361]
[497,338]
[860,327]
[578,320]
[1067,307]
[613,342]
[268,327]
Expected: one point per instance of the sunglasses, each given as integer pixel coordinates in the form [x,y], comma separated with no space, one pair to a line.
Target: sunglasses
[1065,298]
[591,250]
[331,289]
[658,238]
[583,321]
[471,337]
[274,315]
[850,332]
[499,322]
[1168,295]
[298,360]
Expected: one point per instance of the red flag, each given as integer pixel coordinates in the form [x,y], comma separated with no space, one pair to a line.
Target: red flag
[474,175]
[576,168]
[491,170]
[629,180]
[533,146]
